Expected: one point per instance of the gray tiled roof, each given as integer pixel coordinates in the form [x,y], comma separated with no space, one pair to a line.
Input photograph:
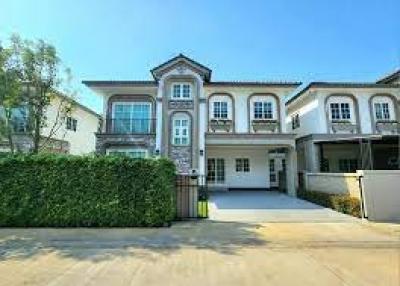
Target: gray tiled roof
[340,85]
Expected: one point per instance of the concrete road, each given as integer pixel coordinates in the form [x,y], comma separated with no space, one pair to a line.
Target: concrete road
[204,253]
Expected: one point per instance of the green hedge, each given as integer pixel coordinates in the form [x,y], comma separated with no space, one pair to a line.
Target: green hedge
[72,191]
[341,203]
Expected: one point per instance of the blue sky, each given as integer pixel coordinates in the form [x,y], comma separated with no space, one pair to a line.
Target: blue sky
[352,40]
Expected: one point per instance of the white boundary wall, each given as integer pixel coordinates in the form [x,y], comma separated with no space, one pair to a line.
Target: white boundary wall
[333,183]
[381,194]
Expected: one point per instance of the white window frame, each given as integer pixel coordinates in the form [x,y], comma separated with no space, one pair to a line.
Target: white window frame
[340,111]
[181,88]
[128,151]
[216,170]
[382,113]
[264,111]
[181,134]
[132,103]
[295,121]
[218,114]
[242,165]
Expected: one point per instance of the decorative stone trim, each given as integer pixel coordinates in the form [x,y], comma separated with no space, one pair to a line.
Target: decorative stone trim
[343,126]
[221,124]
[387,126]
[270,125]
[180,104]
[104,141]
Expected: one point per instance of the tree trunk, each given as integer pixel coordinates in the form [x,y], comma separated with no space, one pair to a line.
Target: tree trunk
[9,130]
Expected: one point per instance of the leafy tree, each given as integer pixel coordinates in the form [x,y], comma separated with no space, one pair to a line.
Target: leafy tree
[32,75]
[10,88]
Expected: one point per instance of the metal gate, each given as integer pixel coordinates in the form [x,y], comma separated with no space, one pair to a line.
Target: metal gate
[191,197]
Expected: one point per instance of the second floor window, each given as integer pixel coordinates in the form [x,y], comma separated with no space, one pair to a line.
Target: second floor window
[340,111]
[181,91]
[220,110]
[72,123]
[131,117]
[382,111]
[295,121]
[19,118]
[263,110]
[181,130]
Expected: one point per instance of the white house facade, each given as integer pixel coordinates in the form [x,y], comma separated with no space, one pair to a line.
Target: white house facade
[341,127]
[233,133]
[73,134]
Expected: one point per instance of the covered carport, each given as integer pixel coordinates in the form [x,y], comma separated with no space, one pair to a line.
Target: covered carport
[254,149]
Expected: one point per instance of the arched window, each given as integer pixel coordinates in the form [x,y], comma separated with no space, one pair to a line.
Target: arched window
[383,108]
[263,107]
[181,129]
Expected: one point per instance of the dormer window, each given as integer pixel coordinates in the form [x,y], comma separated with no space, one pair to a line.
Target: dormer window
[340,111]
[181,91]
[382,111]
[263,110]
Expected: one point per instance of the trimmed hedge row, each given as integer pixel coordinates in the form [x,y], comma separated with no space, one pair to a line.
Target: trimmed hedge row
[341,203]
[72,191]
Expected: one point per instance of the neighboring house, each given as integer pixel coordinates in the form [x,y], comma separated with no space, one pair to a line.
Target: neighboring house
[73,134]
[393,77]
[342,127]
[232,132]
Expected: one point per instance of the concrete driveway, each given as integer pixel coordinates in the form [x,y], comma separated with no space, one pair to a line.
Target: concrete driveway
[204,253]
[262,206]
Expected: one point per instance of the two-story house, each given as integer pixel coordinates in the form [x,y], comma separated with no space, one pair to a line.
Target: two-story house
[72,133]
[342,127]
[233,133]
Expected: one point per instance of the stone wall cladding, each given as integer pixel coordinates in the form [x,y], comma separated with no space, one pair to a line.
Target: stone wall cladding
[180,104]
[104,141]
[181,155]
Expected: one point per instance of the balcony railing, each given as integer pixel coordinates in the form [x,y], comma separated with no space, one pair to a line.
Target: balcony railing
[131,126]
[269,125]
[387,126]
[343,126]
[221,125]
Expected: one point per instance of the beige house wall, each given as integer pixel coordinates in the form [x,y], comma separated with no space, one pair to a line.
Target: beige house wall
[82,141]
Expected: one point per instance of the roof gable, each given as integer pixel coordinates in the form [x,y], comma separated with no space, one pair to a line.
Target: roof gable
[181,60]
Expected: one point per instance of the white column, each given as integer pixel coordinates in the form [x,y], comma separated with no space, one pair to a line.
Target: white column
[291,171]
[365,114]
[159,117]
[282,111]
[312,156]
[202,133]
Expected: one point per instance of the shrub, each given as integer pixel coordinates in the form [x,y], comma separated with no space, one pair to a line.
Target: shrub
[71,191]
[341,203]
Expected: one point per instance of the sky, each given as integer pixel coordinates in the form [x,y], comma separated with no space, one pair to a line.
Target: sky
[281,40]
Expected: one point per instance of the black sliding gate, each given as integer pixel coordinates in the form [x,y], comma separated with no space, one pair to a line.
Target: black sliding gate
[191,197]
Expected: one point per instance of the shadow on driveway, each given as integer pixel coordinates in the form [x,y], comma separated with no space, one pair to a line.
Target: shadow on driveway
[103,244]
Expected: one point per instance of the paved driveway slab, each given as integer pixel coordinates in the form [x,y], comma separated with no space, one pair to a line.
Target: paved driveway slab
[261,206]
